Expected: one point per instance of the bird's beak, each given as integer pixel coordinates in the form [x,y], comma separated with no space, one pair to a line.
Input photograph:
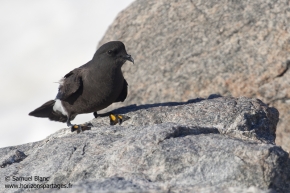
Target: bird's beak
[129,58]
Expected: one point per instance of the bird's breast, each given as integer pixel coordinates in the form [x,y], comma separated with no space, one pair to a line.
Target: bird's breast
[102,89]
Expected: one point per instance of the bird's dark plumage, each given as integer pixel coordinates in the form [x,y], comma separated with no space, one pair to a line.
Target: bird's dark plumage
[123,94]
[91,87]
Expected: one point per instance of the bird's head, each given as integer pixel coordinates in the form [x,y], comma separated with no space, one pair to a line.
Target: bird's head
[113,51]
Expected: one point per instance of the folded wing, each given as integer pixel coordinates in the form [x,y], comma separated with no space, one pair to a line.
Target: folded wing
[70,86]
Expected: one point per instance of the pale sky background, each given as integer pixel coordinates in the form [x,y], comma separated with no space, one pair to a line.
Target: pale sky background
[41,41]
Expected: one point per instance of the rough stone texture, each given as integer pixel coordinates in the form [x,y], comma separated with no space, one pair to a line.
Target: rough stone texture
[13,157]
[101,187]
[186,49]
[220,144]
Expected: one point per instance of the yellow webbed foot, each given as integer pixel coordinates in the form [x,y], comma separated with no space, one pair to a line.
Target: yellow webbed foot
[114,119]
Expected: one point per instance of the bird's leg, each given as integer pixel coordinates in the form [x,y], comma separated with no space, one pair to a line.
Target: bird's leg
[115,118]
[78,128]
[95,114]
[73,128]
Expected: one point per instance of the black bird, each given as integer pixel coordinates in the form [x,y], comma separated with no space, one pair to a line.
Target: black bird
[90,88]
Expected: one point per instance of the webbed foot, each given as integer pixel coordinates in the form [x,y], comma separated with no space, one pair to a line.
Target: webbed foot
[114,119]
[81,127]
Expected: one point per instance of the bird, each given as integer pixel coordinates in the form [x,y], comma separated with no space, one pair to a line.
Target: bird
[90,88]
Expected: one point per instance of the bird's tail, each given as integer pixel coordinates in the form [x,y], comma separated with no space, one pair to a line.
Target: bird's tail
[46,111]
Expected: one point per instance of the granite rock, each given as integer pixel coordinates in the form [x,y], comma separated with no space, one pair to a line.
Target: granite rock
[219,144]
[186,49]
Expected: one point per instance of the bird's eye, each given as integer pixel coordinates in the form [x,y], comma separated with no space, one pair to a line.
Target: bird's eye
[110,52]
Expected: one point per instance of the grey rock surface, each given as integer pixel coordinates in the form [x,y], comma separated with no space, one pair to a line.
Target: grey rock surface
[187,49]
[220,144]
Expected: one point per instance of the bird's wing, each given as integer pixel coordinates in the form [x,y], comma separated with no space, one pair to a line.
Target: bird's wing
[70,84]
[124,92]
